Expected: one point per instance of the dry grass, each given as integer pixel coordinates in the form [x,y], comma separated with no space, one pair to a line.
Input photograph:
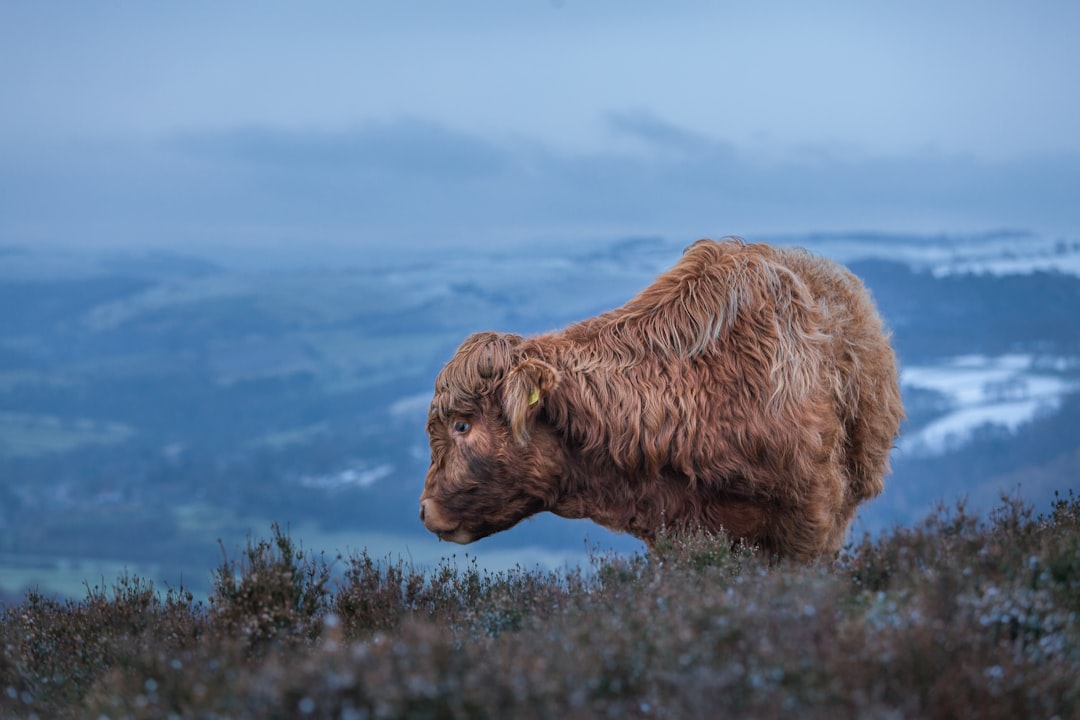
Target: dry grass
[957,617]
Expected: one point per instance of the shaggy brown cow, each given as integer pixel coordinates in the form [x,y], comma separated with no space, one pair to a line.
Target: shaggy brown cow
[749,388]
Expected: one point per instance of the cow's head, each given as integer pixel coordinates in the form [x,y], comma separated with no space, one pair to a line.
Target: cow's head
[493,463]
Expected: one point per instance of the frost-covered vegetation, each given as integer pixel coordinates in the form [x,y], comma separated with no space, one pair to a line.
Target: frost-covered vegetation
[956,617]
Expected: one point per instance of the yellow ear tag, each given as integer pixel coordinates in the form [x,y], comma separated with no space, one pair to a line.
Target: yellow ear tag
[534,396]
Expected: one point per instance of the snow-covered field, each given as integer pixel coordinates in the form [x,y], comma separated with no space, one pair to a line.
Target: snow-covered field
[1005,391]
[1000,254]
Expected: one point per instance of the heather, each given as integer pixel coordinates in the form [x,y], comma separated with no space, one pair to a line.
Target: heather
[957,616]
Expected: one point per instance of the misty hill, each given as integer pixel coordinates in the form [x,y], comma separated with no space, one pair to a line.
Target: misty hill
[151,403]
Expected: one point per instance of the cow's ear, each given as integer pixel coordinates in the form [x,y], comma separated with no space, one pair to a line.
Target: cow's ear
[528,385]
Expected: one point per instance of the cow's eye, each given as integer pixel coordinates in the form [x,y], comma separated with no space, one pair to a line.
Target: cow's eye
[461,427]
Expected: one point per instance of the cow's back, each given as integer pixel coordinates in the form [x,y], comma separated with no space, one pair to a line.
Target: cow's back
[865,380]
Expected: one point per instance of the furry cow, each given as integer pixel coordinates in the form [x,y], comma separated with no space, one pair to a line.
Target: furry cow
[749,388]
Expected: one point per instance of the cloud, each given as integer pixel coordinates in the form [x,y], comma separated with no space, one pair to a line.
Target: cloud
[657,133]
[412,181]
[408,147]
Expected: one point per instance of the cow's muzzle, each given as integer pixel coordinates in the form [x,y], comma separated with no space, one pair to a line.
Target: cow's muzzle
[434,520]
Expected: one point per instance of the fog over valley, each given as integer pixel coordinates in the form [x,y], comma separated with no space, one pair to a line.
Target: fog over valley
[152,403]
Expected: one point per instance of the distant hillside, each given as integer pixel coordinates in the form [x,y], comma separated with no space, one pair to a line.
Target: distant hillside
[152,403]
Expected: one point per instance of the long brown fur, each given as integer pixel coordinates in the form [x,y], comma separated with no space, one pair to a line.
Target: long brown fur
[749,388]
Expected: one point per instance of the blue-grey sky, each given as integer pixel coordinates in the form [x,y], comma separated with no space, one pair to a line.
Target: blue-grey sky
[404,122]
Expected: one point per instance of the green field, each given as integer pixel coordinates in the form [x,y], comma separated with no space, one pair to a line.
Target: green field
[203,525]
[64,576]
[27,435]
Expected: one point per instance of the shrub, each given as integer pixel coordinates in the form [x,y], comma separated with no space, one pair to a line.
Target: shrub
[957,617]
[275,591]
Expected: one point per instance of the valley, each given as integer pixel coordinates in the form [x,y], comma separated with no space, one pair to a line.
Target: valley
[152,405]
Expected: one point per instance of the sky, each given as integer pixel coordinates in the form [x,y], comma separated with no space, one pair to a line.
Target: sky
[491,123]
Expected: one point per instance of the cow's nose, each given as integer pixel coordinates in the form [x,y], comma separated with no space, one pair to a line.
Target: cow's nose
[422,502]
